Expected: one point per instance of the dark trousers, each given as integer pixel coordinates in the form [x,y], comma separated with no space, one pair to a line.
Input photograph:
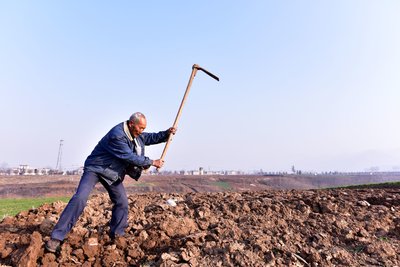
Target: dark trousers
[71,213]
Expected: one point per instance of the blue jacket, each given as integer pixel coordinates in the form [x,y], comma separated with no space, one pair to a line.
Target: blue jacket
[116,151]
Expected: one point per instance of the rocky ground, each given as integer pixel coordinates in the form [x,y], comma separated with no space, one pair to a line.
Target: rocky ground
[340,227]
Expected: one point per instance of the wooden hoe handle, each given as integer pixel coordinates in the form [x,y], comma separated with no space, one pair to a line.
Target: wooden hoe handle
[195,67]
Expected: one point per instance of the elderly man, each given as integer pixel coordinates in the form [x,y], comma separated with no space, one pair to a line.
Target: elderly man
[119,152]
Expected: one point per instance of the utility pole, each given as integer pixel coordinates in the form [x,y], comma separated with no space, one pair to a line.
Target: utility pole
[58,166]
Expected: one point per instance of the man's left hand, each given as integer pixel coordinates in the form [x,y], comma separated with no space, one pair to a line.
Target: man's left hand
[172,130]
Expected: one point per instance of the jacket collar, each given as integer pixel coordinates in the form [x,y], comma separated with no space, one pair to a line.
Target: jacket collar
[126,130]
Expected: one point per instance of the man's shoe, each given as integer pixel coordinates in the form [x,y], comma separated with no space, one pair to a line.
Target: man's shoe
[53,245]
[119,240]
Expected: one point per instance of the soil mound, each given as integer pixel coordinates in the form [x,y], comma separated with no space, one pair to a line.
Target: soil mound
[265,228]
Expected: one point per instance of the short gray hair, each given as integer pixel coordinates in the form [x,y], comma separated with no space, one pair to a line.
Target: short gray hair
[135,117]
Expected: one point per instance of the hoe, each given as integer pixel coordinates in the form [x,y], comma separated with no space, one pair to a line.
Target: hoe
[195,68]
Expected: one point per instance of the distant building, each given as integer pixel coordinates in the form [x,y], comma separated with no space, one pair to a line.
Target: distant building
[25,170]
[78,171]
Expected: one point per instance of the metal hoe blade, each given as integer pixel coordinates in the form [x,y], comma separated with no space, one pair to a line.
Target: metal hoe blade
[195,66]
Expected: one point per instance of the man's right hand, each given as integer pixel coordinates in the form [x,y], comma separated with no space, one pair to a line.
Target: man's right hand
[158,163]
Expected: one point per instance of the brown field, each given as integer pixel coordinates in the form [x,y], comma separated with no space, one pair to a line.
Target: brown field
[43,186]
[218,221]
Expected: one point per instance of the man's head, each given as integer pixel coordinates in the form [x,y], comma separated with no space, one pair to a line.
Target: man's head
[136,124]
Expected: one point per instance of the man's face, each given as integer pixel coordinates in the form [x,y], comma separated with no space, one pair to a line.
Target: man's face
[137,128]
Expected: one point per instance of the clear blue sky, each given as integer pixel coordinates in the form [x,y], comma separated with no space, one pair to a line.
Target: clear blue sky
[314,84]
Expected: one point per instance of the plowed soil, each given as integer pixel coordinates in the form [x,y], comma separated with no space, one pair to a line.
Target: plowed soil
[340,227]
